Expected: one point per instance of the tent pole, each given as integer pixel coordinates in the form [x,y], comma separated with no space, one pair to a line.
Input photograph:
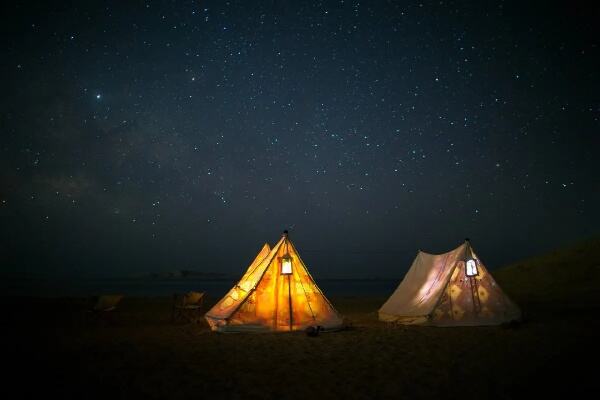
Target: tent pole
[290,302]
[475,295]
[473,282]
[276,310]
[289,284]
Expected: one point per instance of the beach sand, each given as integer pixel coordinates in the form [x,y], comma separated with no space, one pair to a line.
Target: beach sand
[56,349]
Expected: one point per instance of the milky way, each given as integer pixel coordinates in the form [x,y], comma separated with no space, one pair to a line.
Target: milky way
[169,135]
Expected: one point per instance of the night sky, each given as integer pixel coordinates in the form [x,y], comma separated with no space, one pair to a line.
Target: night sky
[158,136]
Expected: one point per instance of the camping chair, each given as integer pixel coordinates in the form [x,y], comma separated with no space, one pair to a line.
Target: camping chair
[187,306]
[104,306]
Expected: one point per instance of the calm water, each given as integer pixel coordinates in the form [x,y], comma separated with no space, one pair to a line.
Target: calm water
[167,287]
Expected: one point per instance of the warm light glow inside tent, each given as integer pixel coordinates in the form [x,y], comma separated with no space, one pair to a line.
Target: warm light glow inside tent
[276,293]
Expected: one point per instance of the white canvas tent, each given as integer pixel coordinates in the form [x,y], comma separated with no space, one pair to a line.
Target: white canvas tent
[450,289]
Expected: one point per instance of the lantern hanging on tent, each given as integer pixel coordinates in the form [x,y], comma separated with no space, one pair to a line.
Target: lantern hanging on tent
[286,264]
[471,267]
[471,262]
[286,260]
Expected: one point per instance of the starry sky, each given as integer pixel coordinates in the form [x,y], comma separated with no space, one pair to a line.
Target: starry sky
[153,136]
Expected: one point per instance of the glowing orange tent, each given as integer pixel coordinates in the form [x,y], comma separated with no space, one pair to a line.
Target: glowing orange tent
[276,293]
[450,289]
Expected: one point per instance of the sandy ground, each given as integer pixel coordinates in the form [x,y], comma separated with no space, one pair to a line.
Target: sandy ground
[55,349]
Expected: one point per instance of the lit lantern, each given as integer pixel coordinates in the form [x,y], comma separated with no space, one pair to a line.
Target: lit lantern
[471,267]
[470,261]
[286,265]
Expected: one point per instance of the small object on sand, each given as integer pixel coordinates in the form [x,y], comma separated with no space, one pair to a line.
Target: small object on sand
[313,331]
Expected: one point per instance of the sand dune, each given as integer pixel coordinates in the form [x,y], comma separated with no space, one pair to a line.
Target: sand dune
[55,350]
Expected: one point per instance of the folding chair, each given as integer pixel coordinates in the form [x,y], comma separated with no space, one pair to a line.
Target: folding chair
[187,307]
[104,306]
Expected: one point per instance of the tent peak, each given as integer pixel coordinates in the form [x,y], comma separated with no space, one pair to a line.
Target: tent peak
[285,233]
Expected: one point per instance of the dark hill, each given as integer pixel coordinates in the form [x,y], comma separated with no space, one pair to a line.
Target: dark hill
[570,276]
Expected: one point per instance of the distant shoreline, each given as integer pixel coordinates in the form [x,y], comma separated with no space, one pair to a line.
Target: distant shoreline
[152,286]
